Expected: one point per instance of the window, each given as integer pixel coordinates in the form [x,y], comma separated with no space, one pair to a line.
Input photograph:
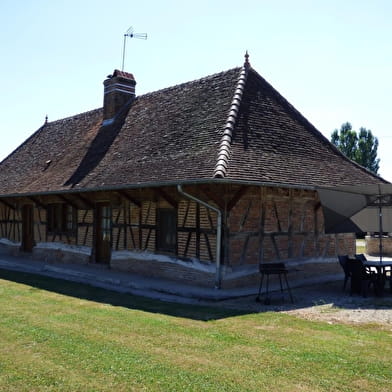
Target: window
[103,231]
[106,223]
[61,218]
[167,230]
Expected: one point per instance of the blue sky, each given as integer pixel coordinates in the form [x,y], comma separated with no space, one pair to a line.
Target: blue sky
[331,59]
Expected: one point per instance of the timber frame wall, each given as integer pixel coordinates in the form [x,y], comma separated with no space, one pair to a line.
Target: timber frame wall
[280,224]
[260,224]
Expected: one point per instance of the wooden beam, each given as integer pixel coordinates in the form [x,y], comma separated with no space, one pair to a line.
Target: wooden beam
[198,230]
[236,198]
[129,198]
[276,248]
[167,197]
[188,204]
[140,228]
[38,202]
[277,217]
[262,225]
[290,225]
[214,197]
[193,230]
[188,241]
[208,247]
[6,203]
[85,200]
[67,201]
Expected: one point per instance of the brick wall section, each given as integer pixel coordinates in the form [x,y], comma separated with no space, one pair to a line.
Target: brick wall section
[280,224]
[10,224]
[85,229]
[126,225]
[373,246]
[39,224]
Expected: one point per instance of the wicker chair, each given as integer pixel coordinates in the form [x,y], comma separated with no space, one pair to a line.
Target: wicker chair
[369,276]
[344,262]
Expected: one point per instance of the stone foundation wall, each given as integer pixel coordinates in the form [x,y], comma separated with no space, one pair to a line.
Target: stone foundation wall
[168,270]
[193,272]
[300,273]
[60,256]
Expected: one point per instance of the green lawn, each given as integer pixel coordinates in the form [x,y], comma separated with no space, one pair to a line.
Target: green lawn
[360,247]
[62,336]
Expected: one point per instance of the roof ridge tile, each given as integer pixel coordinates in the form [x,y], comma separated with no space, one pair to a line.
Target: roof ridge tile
[223,158]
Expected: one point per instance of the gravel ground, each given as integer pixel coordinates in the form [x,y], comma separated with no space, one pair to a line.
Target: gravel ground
[326,302]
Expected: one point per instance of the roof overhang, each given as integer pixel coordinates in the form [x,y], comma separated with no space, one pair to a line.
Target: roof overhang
[109,188]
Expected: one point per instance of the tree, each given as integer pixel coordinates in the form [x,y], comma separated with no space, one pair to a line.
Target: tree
[361,147]
[367,150]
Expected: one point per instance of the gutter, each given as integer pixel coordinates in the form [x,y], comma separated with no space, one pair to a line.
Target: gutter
[156,184]
[218,277]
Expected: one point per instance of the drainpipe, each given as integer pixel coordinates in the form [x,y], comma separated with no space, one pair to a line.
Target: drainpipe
[218,233]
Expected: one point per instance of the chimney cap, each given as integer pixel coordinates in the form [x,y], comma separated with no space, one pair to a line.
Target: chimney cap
[121,74]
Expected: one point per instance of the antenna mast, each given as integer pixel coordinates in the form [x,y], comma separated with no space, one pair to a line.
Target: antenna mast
[129,33]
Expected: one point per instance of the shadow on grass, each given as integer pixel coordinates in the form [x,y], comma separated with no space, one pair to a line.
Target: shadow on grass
[96,294]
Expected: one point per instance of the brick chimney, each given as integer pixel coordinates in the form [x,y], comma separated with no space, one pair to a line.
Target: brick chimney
[119,88]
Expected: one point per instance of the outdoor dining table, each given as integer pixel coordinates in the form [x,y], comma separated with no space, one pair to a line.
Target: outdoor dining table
[380,268]
[376,271]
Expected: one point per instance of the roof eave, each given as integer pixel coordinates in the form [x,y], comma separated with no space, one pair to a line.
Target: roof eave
[114,188]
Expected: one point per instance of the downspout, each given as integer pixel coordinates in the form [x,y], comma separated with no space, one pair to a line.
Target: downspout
[218,278]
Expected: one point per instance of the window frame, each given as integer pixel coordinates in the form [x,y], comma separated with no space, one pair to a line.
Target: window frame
[61,218]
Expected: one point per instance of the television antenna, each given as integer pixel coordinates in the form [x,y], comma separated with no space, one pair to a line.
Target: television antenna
[131,34]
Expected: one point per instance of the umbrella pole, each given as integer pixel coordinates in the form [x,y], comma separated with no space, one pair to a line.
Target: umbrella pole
[381,229]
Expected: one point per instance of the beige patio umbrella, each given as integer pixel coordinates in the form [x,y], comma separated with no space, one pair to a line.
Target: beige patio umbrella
[357,208]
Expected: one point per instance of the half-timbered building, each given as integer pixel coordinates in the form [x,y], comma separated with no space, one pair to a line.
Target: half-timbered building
[199,182]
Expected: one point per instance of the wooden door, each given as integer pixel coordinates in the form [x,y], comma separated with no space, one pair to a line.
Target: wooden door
[103,233]
[27,228]
[166,239]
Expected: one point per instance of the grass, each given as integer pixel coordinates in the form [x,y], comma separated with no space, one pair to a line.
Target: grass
[63,336]
[360,247]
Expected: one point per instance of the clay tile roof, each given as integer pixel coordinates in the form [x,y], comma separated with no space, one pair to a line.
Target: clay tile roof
[180,134]
[274,142]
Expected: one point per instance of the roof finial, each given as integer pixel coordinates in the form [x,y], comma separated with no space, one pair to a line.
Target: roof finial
[46,119]
[247,63]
